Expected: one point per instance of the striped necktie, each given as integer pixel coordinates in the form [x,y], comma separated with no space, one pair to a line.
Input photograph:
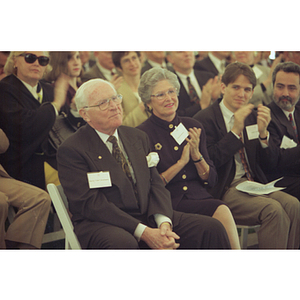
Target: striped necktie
[192,92]
[291,119]
[244,162]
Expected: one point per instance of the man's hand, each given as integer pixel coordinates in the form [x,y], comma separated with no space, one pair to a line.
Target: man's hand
[160,238]
[239,118]
[263,120]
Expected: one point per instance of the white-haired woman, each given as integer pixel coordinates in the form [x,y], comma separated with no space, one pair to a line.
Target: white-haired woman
[184,164]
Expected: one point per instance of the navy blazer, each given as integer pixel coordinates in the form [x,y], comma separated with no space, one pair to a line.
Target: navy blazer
[289,162]
[85,152]
[187,183]
[223,145]
[26,123]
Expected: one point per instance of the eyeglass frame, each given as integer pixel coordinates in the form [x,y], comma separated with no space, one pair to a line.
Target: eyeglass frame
[118,96]
[165,94]
[36,58]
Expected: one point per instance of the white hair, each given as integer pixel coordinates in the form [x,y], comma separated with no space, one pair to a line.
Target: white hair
[86,89]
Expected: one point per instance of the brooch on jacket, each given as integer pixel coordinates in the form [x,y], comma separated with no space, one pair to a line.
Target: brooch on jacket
[158,146]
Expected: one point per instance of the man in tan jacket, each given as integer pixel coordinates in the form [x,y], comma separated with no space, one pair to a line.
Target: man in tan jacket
[33,206]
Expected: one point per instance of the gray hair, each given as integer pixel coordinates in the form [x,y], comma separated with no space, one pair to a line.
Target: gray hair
[287,67]
[84,92]
[150,79]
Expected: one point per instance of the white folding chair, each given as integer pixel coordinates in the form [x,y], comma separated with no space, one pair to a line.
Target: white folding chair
[244,234]
[60,203]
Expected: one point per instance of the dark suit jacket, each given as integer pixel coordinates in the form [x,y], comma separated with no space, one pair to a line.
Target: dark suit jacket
[146,67]
[85,152]
[93,73]
[222,146]
[26,123]
[206,65]
[186,107]
[289,162]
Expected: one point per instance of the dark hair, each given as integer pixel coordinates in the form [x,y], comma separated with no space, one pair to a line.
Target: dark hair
[117,55]
[234,70]
[288,67]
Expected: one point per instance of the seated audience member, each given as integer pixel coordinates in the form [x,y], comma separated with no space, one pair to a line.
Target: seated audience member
[201,55]
[215,62]
[3,58]
[293,56]
[33,204]
[104,69]
[241,155]
[197,88]
[86,60]
[285,126]
[154,59]
[184,166]
[67,64]
[28,109]
[128,63]
[263,90]
[129,207]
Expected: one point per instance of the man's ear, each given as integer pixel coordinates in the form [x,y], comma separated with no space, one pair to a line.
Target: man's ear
[84,114]
[223,87]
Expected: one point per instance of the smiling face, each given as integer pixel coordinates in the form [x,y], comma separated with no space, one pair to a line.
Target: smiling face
[237,94]
[29,73]
[286,91]
[106,121]
[74,65]
[164,109]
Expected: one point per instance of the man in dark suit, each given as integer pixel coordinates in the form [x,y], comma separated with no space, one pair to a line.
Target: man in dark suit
[197,88]
[104,68]
[215,62]
[116,199]
[285,125]
[241,148]
[154,59]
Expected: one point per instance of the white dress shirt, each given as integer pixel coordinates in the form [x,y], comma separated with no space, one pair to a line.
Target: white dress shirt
[193,80]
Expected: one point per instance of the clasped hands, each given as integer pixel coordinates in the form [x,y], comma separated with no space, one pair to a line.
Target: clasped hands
[160,238]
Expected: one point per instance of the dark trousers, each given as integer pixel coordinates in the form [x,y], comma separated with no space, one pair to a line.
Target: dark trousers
[195,231]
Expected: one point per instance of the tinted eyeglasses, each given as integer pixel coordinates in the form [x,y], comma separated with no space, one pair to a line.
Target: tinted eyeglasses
[31,58]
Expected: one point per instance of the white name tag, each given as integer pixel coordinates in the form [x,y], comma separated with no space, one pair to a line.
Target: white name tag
[287,143]
[99,179]
[252,132]
[180,134]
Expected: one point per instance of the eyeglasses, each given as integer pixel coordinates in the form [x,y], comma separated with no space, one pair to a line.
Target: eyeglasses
[163,95]
[31,58]
[104,104]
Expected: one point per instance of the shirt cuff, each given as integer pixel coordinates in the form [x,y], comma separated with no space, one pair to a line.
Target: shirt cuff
[139,231]
[159,219]
[56,111]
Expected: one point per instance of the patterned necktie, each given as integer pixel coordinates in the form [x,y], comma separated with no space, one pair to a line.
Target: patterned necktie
[192,92]
[244,162]
[121,160]
[294,126]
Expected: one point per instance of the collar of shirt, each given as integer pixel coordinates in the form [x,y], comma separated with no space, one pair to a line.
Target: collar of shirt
[288,112]
[193,80]
[31,89]
[105,72]
[155,64]
[217,62]
[227,115]
[104,137]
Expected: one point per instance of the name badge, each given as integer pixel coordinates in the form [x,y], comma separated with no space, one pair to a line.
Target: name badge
[180,134]
[287,143]
[252,132]
[99,179]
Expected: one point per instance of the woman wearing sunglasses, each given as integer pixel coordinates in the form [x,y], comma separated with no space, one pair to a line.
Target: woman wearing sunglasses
[28,109]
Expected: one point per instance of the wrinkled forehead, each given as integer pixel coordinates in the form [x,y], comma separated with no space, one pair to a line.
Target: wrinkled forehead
[100,92]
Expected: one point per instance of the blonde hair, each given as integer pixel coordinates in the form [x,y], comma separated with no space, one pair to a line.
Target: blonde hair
[9,67]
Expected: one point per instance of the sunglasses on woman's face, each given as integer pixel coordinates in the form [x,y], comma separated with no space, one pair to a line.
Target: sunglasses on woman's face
[31,58]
